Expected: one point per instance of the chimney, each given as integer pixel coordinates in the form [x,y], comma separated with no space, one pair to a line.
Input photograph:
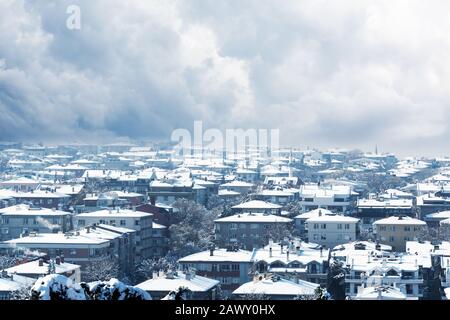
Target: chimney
[58,260]
[281,246]
[4,274]
[211,252]
[270,253]
[88,229]
[287,255]
[62,258]
[152,200]
[41,262]
[320,213]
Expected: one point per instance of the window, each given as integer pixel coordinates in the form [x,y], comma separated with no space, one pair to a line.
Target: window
[323,226]
[136,222]
[382,228]
[316,226]
[233,226]
[407,228]
[112,222]
[323,237]
[25,220]
[339,226]
[102,221]
[391,239]
[123,223]
[235,267]
[316,237]
[347,226]
[224,267]
[214,267]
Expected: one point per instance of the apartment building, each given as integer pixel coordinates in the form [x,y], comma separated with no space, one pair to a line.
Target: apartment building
[82,247]
[337,198]
[257,206]
[300,220]
[294,260]
[22,219]
[142,222]
[230,266]
[248,230]
[332,230]
[396,231]
[371,210]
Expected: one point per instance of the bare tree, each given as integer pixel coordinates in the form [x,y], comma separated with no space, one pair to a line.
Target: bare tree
[192,228]
[102,270]
[7,262]
[148,266]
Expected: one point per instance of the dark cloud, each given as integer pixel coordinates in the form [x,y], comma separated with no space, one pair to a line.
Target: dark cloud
[331,74]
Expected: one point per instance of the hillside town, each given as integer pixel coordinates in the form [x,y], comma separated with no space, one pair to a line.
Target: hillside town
[292,224]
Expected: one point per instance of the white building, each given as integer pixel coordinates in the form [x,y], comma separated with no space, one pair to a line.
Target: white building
[337,198]
[142,222]
[275,288]
[332,230]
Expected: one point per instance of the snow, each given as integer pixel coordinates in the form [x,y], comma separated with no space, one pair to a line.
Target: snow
[314,213]
[400,221]
[254,218]
[219,255]
[167,283]
[25,210]
[280,287]
[332,219]
[257,204]
[114,213]
[45,287]
[34,268]
[380,293]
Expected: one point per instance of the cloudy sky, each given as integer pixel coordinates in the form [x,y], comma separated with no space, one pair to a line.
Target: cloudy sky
[326,73]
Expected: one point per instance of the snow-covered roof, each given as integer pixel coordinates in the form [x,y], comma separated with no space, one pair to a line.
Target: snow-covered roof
[257,204]
[236,183]
[380,293]
[314,213]
[388,203]
[225,192]
[172,283]
[33,267]
[81,238]
[15,282]
[219,255]
[25,210]
[438,215]
[279,287]
[254,218]
[114,213]
[332,218]
[400,221]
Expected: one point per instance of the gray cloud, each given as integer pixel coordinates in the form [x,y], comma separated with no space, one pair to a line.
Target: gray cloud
[344,74]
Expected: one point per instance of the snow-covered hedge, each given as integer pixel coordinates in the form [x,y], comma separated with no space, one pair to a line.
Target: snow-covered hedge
[58,287]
